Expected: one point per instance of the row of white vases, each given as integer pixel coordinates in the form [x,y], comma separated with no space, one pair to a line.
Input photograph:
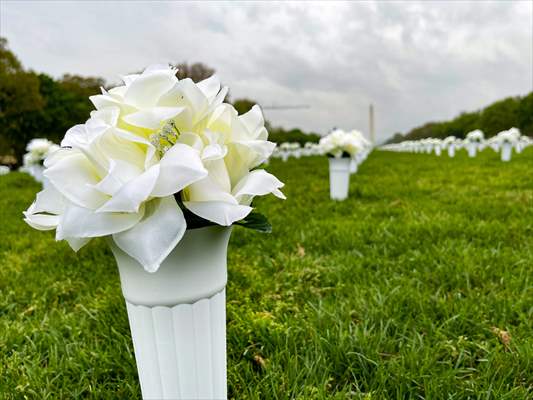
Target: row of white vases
[294,150]
[340,170]
[473,148]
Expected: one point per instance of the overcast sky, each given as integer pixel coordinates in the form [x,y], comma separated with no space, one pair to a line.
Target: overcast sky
[415,61]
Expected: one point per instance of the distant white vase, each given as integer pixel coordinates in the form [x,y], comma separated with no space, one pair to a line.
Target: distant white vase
[36,171]
[451,150]
[353,166]
[339,177]
[284,156]
[506,151]
[471,147]
[177,317]
[438,150]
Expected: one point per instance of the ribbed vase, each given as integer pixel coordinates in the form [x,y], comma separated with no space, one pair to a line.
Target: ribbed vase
[177,317]
[471,147]
[339,177]
[353,166]
[451,150]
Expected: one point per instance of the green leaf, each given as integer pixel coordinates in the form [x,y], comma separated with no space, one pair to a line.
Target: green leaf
[256,221]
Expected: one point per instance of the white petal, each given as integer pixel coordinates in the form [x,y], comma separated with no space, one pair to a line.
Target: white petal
[150,149]
[131,195]
[73,176]
[79,222]
[214,152]
[218,212]
[128,79]
[179,167]
[101,101]
[108,116]
[214,187]
[191,139]
[120,173]
[49,201]
[253,120]
[42,222]
[77,243]
[151,118]
[257,183]
[263,149]
[145,91]
[156,235]
[210,87]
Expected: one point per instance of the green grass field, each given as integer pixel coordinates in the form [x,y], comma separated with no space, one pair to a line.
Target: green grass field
[419,286]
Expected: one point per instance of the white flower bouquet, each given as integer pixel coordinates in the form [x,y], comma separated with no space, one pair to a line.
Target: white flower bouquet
[340,144]
[342,148]
[506,140]
[158,155]
[37,151]
[510,136]
[475,136]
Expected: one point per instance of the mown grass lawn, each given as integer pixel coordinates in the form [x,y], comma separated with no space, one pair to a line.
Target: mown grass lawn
[419,286]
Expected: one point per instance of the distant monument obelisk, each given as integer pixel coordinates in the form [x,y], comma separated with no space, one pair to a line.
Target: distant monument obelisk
[371,125]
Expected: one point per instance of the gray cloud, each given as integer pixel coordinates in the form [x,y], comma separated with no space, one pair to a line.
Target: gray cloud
[416,61]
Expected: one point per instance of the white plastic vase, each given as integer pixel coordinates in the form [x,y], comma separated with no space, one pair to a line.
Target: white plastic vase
[471,147]
[177,317]
[36,171]
[451,150]
[353,166]
[339,177]
[506,151]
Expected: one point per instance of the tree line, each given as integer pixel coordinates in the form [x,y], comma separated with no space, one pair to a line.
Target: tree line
[37,105]
[501,115]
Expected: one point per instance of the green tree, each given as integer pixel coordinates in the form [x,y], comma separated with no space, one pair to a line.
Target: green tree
[20,99]
[499,116]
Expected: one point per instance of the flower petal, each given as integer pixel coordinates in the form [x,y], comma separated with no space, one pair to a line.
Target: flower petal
[151,118]
[155,236]
[131,195]
[42,222]
[77,243]
[179,167]
[74,176]
[79,222]
[257,183]
[219,212]
[253,120]
[146,89]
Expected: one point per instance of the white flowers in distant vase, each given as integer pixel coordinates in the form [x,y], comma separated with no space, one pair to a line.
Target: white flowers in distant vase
[159,161]
[507,141]
[473,141]
[504,142]
[341,147]
[449,144]
[4,170]
[37,151]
